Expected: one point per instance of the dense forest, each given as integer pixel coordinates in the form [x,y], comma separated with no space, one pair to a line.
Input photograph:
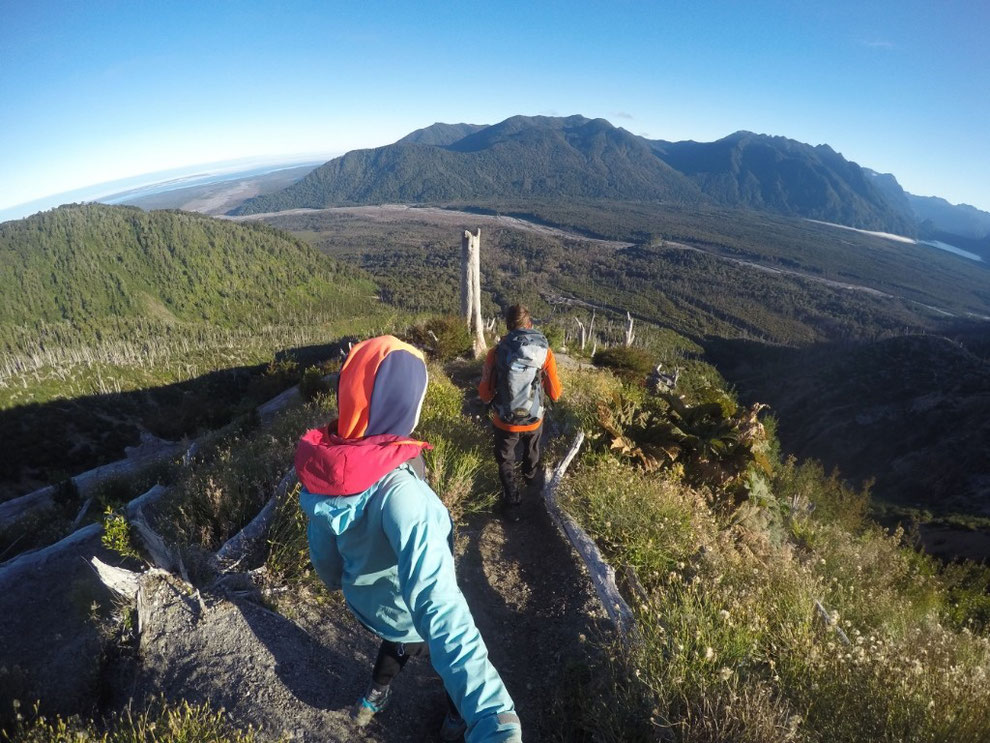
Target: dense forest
[88,270]
[703,273]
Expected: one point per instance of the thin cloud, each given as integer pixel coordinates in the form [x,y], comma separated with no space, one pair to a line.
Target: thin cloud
[878,44]
[623,115]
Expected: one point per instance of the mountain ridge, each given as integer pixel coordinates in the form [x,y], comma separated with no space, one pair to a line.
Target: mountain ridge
[576,157]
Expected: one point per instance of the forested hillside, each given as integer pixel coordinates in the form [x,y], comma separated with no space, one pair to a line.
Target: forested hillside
[85,270]
[117,323]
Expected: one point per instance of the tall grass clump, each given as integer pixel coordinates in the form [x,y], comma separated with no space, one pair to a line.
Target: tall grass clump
[731,644]
[180,722]
[459,468]
[232,480]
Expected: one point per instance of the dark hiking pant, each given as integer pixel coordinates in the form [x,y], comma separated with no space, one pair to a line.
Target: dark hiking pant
[392,658]
[522,448]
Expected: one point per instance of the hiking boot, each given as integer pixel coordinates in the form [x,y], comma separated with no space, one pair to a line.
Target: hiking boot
[373,702]
[453,727]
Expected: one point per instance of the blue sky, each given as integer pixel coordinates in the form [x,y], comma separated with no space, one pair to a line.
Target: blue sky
[103,90]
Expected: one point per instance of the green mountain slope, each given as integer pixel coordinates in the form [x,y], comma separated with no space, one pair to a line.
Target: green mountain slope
[94,267]
[785,176]
[574,157]
[520,157]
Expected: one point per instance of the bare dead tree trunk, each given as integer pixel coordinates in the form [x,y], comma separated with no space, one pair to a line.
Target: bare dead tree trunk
[466,295]
[584,335]
[630,335]
[471,288]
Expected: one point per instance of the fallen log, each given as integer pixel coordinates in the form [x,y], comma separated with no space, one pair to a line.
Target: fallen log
[38,558]
[125,583]
[238,546]
[602,574]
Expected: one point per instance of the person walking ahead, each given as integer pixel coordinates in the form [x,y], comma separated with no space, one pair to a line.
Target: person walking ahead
[518,371]
[380,533]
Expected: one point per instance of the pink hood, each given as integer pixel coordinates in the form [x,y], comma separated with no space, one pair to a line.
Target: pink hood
[328,464]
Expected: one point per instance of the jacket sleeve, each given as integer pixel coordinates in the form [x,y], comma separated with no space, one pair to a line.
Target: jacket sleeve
[486,387]
[551,382]
[323,551]
[418,532]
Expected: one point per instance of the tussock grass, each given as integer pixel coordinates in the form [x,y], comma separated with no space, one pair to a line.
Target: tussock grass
[460,467]
[233,478]
[181,722]
[732,647]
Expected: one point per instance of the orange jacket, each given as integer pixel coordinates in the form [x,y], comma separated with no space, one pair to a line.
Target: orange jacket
[486,389]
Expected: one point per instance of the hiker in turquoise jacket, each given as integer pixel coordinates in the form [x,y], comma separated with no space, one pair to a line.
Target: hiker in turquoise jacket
[379,532]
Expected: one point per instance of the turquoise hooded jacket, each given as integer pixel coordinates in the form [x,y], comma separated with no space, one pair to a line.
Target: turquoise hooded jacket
[389,549]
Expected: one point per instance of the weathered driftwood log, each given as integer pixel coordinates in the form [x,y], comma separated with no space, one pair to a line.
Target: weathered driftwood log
[149,452]
[123,582]
[268,410]
[146,498]
[37,558]
[82,513]
[14,510]
[602,574]
[239,545]
[160,554]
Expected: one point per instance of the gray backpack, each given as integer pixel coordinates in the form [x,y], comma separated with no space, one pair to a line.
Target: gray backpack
[519,362]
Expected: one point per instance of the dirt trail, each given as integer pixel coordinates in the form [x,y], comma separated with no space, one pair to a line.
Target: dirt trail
[529,595]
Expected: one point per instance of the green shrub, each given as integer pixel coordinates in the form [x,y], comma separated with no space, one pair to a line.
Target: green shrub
[180,722]
[629,362]
[554,334]
[117,534]
[443,337]
[805,488]
[313,384]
